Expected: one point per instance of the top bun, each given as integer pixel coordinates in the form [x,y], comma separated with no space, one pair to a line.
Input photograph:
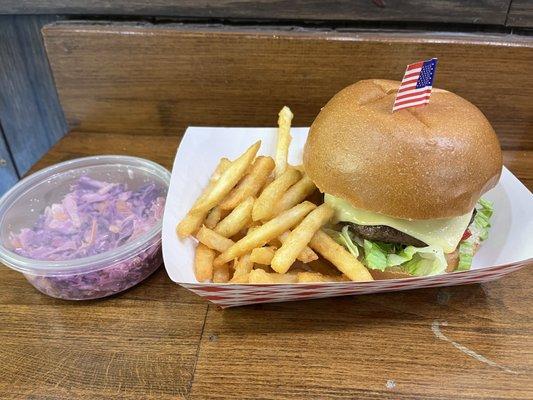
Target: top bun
[426,162]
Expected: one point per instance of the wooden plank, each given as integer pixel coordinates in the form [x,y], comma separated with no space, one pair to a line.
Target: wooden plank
[8,173]
[520,14]
[163,148]
[382,346]
[31,116]
[139,344]
[454,11]
[520,163]
[154,79]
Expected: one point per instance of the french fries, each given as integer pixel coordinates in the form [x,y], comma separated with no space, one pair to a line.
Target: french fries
[306,255]
[238,219]
[213,240]
[296,194]
[311,277]
[284,140]
[297,240]
[227,180]
[250,184]
[260,276]
[272,193]
[263,255]
[221,273]
[213,217]
[340,257]
[192,221]
[243,267]
[266,232]
[256,222]
[203,263]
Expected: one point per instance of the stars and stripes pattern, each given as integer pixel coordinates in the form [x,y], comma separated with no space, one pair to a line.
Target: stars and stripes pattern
[416,85]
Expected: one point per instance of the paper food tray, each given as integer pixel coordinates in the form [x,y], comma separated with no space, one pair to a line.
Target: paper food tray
[508,248]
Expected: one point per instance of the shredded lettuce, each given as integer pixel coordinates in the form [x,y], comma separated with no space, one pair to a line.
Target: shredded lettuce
[421,261]
[416,261]
[466,253]
[375,255]
[479,230]
[344,238]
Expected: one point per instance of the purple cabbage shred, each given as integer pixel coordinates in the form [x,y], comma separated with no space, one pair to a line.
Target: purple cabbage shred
[93,218]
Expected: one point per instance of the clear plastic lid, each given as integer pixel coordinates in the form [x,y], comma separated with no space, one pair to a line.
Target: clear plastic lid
[24,204]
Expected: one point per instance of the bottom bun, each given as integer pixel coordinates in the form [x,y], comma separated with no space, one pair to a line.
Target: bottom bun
[397,273]
[389,273]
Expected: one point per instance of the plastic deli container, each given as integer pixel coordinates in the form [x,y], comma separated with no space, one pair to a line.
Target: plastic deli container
[86,228]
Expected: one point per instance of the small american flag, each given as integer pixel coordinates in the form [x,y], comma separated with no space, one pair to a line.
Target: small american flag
[416,85]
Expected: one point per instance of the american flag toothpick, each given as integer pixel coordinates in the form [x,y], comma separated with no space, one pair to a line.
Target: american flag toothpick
[416,85]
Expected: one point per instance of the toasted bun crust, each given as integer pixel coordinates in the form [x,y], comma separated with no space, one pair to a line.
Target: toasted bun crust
[418,163]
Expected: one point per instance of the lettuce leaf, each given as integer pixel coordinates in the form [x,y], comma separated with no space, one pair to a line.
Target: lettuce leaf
[479,229]
[344,238]
[417,261]
[375,256]
[420,261]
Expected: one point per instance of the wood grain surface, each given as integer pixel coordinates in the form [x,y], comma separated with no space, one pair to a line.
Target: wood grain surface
[520,14]
[158,79]
[30,113]
[450,11]
[159,341]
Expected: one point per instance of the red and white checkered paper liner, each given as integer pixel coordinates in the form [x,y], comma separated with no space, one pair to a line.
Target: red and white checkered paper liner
[508,248]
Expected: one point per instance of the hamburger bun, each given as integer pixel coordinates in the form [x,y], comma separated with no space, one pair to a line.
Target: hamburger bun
[418,163]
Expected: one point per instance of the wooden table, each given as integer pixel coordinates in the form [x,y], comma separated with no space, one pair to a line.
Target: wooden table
[159,341]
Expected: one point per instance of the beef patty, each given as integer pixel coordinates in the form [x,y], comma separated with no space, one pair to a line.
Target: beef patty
[383,233]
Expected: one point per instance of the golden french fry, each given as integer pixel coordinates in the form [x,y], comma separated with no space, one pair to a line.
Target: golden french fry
[266,232]
[298,239]
[272,193]
[192,221]
[265,268]
[214,240]
[203,262]
[310,277]
[268,181]
[227,180]
[221,273]
[340,257]
[306,255]
[262,255]
[261,276]
[284,140]
[214,216]
[250,184]
[243,267]
[322,266]
[240,279]
[295,194]
[236,220]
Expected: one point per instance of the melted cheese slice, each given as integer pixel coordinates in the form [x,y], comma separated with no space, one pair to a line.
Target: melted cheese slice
[445,232]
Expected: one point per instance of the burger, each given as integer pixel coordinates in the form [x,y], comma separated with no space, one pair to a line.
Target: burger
[406,186]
